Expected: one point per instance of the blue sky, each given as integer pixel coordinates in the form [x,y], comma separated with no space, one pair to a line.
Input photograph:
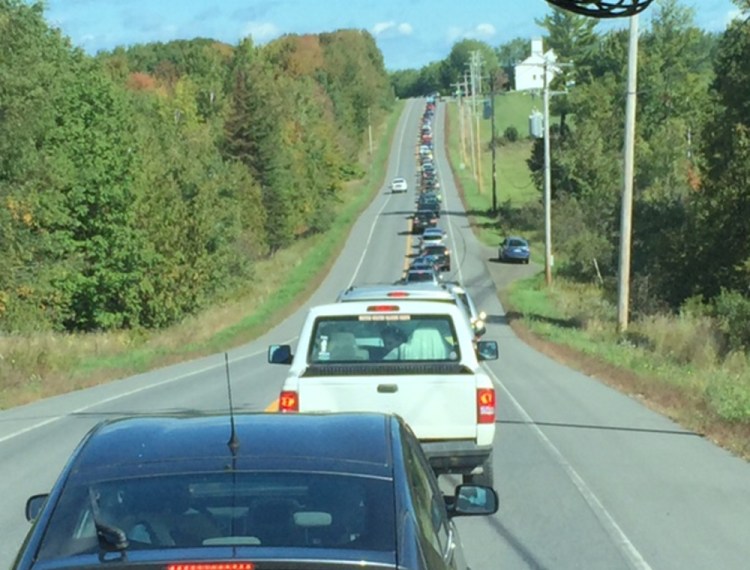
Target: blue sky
[410,33]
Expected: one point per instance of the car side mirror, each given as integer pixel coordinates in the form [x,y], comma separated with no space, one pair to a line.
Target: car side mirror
[472,500]
[280,354]
[34,506]
[487,350]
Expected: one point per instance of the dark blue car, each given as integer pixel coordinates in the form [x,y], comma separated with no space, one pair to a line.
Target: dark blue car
[514,249]
[253,491]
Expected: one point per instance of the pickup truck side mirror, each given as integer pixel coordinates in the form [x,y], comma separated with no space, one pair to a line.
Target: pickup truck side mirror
[487,350]
[280,354]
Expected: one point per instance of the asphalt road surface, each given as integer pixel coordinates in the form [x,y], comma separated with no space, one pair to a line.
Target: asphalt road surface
[587,477]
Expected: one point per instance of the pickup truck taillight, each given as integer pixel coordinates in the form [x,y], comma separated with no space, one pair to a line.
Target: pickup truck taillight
[486,405]
[288,401]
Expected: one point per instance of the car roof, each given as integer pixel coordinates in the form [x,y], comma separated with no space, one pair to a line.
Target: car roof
[360,307]
[412,292]
[347,442]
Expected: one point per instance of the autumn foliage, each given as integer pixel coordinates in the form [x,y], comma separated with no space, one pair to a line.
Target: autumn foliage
[148,181]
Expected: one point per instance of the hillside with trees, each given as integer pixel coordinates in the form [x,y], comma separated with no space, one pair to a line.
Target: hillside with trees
[142,185]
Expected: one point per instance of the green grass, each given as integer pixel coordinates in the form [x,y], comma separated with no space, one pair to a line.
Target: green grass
[535,300]
[514,187]
[514,182]
[512,109]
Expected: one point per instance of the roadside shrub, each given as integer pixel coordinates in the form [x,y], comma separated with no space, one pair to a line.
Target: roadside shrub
[322,219]
[589,257]
[585,304]
[683,339]
[588,254]
[728,390]
[644,297]
[524,218]
[511,134]
[732,311]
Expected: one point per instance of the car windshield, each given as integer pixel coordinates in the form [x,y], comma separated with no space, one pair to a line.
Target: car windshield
[375,337]
[280,509]
[516,243]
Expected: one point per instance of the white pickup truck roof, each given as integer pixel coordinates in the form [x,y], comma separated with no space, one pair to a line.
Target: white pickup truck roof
[446,293]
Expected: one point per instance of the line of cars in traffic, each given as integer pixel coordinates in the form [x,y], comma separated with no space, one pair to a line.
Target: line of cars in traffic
[384,393]
[388,346]
[433,256]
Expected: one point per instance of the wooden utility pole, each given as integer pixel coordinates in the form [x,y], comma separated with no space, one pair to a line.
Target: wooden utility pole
[492,144]
[369,129]
[478,75]
[471,126]
[459,87]
[547,187]
[626,212]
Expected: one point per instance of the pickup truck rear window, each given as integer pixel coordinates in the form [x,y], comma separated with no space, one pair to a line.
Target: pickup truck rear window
[383,337]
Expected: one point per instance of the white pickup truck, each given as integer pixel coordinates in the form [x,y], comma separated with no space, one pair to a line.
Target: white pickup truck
[418,359]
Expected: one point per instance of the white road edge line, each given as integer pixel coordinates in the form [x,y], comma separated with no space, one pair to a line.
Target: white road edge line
[404,124]
[608,522]
[124,395]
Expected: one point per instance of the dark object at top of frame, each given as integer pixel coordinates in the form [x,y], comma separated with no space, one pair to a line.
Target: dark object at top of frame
[603,8]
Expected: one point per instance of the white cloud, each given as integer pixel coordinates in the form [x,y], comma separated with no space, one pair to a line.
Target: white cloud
[392,28]
[485,30]
[261,32]
[479,32]
[405,29]
[381,27]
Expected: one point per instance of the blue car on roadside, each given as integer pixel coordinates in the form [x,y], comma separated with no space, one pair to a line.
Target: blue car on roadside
[514,249]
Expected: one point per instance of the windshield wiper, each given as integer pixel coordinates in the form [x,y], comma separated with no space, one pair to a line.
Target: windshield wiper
[111,538]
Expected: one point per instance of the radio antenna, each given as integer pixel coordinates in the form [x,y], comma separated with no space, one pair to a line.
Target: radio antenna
[234,442]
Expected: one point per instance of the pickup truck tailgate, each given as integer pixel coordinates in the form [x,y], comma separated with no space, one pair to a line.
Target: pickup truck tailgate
[435,406]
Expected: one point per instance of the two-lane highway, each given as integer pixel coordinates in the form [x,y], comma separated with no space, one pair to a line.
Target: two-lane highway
[587,477]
